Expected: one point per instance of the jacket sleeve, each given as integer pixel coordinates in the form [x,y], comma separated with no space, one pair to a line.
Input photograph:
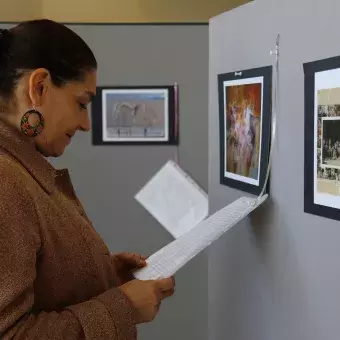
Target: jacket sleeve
[105,317]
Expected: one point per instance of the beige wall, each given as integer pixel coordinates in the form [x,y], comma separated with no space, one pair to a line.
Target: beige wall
[116,10]
[18,10]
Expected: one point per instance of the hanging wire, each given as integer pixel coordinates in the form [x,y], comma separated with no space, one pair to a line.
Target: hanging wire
[274,111]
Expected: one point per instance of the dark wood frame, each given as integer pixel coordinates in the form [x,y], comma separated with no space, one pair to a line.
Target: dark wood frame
[266,73]
[173,126]
[310,69]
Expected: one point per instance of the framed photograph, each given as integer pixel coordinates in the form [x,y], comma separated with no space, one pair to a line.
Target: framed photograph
[322,138]
[135,115]
[245,124]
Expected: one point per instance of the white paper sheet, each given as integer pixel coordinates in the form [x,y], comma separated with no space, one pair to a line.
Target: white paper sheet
[174,199]
[168,260]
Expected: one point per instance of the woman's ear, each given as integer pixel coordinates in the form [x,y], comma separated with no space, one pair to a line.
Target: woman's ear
[38,85]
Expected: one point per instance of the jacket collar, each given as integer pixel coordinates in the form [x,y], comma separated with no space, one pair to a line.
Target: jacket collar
[22,148]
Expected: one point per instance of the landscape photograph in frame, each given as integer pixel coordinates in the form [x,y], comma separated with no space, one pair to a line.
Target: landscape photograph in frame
[135,115]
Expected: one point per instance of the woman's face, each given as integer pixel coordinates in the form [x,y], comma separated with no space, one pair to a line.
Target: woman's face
[64,109]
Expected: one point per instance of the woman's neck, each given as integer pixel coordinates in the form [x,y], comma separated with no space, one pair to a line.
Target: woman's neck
[10,119]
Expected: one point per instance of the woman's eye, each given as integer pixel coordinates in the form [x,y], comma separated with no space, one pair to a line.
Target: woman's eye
[83,106]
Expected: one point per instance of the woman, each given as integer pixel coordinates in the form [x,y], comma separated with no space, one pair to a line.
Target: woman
[57,277]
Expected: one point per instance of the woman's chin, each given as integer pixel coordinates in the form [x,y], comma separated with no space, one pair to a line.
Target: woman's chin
[51,151]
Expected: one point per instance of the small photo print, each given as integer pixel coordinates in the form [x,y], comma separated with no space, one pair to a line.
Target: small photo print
[328,142]
[330,139]
[244,111]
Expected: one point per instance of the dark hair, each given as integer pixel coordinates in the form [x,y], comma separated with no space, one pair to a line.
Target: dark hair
[42,44]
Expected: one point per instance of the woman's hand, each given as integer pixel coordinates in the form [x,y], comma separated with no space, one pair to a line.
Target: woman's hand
[146,296]
[126,263]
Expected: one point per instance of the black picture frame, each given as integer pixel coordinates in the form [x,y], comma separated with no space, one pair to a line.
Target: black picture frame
[320,182]
[170,110]
[255,76]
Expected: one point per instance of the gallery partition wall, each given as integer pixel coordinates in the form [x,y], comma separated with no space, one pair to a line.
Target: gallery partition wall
[276,276]
[106,177]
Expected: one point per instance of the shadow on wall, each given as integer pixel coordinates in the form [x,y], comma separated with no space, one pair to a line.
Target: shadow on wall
[277,252]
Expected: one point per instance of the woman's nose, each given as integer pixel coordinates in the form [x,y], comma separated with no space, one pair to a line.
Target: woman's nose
[86,124]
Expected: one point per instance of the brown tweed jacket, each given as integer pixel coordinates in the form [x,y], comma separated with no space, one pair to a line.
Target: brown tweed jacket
[57,278]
